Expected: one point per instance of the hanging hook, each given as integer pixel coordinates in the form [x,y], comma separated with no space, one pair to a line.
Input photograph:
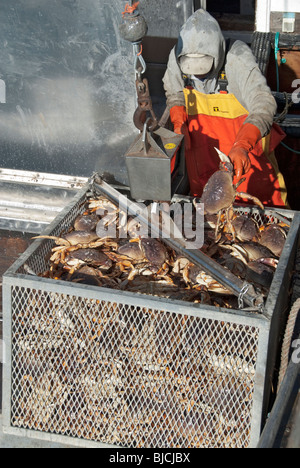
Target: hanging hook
[137,51]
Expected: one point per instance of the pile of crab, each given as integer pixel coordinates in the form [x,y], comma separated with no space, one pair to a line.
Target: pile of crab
[89,254]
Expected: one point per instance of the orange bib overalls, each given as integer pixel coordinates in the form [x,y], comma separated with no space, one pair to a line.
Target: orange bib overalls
[214,121]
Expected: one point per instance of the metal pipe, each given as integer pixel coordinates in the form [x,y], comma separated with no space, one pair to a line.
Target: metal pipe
[272,434]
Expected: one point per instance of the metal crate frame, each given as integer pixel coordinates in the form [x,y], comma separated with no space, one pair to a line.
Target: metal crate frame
[267,328]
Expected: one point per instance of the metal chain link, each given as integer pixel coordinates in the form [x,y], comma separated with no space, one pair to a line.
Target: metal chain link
[139,62]
[243,292]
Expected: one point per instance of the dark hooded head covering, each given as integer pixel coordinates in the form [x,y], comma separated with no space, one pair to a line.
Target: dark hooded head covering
[201,37]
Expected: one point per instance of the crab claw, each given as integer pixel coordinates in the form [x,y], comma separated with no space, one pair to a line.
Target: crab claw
[224,158]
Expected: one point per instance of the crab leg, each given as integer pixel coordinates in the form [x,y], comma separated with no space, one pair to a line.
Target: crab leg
[58,240]
[252,198]
[229,216]
[218,226]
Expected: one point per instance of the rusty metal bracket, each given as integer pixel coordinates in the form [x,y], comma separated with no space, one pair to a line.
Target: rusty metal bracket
[144,106]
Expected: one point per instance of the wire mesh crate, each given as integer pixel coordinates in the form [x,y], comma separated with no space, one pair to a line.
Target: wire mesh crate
[91,366]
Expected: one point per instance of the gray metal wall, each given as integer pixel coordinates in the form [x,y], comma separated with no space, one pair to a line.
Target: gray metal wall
[70,93]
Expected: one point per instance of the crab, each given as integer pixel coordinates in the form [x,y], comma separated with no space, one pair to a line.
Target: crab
[132,250]
[101,205]
[246,229]
[86,222]
[85,275]
[76,240]
[92,276]
[198,279]
[251,252]
[90,257]
[273,237]
[154,251]
[179,264]
[144,256]
[220,193]
[250,261]
[108,211]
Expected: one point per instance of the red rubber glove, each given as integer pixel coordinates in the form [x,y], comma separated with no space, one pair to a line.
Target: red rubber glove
[246,139]
[179,120]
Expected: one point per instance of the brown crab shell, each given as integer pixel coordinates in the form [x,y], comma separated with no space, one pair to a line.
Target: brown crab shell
[132,250]
[86,222]
[274,238]
[86,275]
[80,237]
[218,193]
[90,257]
[155,251]
[256,251]
[245,228]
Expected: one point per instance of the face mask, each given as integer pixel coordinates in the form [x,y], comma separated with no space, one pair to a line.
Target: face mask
[199,77]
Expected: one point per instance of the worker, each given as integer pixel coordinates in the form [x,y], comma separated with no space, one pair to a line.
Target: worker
[218,97]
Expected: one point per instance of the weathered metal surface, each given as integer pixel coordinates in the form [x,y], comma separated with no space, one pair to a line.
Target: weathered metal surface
[70,83]
[29,201]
